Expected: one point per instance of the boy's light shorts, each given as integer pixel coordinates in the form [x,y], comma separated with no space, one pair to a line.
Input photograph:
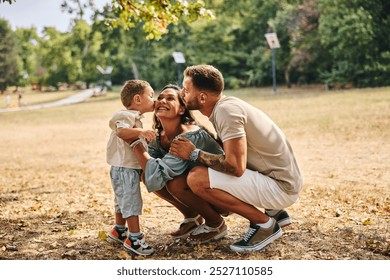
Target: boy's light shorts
[126,185]
[253,188]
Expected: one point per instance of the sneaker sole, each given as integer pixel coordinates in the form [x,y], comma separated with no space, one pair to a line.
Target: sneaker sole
[184,235]
[135,251]
[215,238]
[114,238]
[259,246]
[285,222]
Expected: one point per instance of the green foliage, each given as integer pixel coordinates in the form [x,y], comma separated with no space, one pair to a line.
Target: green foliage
[353,33]
[334,42]
[157,15]
[28,41]
[8,56]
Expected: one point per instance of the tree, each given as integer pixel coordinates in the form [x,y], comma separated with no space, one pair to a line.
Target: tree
[8,57]
[85,45]
[356,33]
[297,27]
[58,60]
[28,41]
[78,7]
[157,15]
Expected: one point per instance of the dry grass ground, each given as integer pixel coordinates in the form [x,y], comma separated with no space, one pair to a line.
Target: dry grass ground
[56,198]
[31,97]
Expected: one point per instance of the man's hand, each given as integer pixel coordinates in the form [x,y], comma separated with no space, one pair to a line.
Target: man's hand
[182,147]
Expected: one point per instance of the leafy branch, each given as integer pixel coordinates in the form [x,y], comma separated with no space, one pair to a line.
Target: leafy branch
[157,15]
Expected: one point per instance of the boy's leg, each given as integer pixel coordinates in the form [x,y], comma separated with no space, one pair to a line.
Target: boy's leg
[135,241]
[119,220]
[133,224]
[119,231]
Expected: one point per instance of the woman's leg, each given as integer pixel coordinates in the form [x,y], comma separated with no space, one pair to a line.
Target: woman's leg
[191,218]
[178,189]
[186,211]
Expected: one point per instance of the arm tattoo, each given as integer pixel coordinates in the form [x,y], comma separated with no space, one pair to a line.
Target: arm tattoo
[216,162]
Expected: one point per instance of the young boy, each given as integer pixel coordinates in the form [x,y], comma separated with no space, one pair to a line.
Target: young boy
[137,98]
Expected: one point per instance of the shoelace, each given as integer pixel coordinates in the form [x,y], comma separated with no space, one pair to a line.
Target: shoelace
[142,243]
[249,234]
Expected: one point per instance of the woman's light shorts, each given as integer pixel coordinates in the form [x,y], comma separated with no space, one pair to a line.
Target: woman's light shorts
[126,185]
[253,188]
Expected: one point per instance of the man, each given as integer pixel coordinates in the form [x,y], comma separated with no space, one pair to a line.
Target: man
[258,169]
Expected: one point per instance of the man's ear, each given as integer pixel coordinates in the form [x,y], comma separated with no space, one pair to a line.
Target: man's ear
[203,97]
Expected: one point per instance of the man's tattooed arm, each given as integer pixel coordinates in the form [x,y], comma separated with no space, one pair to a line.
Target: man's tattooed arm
[216,162]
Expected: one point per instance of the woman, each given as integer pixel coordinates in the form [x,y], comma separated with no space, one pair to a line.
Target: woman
[166,174]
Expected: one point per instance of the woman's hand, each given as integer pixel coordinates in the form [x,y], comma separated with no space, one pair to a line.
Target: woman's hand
[182,147]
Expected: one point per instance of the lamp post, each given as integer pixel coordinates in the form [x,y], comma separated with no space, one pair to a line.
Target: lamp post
[103,72]
[179,59]
[273,42]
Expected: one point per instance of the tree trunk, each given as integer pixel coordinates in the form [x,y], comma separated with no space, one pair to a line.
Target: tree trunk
[287,76]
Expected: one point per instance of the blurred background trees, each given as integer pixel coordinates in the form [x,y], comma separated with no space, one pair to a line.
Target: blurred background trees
[333,42]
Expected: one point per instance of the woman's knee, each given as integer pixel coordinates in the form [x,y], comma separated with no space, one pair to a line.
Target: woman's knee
[177,185]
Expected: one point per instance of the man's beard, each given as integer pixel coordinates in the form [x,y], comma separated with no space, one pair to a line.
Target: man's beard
[193,105]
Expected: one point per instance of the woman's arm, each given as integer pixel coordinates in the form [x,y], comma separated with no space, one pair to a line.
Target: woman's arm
[159,171]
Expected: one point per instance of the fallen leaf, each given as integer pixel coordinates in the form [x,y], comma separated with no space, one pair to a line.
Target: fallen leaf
[102,235]
[367,222]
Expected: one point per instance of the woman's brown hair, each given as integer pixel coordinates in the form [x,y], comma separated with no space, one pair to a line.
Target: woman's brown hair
[186,118]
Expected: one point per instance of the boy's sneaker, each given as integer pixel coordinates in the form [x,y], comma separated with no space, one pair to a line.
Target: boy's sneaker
[257,237]
[117,234]
[281,217]
[204,233]
[138,245]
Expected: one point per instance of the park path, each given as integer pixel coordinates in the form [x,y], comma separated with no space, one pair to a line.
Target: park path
[73,99]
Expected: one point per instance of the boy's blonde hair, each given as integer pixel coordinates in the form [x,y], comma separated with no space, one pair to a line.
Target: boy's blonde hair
[130,89]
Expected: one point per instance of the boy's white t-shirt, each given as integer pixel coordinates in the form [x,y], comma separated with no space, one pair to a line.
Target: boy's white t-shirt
[118,152]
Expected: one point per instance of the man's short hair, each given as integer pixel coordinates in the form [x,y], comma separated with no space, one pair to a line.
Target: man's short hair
[205,77]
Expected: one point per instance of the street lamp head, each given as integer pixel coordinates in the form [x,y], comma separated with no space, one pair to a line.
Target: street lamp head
[272,40]
[178,57]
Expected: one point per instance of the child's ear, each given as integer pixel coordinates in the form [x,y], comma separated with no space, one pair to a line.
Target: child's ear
[137,99]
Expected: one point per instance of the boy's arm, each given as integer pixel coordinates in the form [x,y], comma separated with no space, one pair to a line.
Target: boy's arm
[129,134]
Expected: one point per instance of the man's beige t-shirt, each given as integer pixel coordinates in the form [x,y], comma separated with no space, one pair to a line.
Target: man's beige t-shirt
[268,150]
[119,153]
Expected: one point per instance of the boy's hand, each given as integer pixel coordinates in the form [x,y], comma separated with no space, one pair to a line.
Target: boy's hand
[149,135]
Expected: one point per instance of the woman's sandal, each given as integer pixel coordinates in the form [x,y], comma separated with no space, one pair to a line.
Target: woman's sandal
[187,226]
